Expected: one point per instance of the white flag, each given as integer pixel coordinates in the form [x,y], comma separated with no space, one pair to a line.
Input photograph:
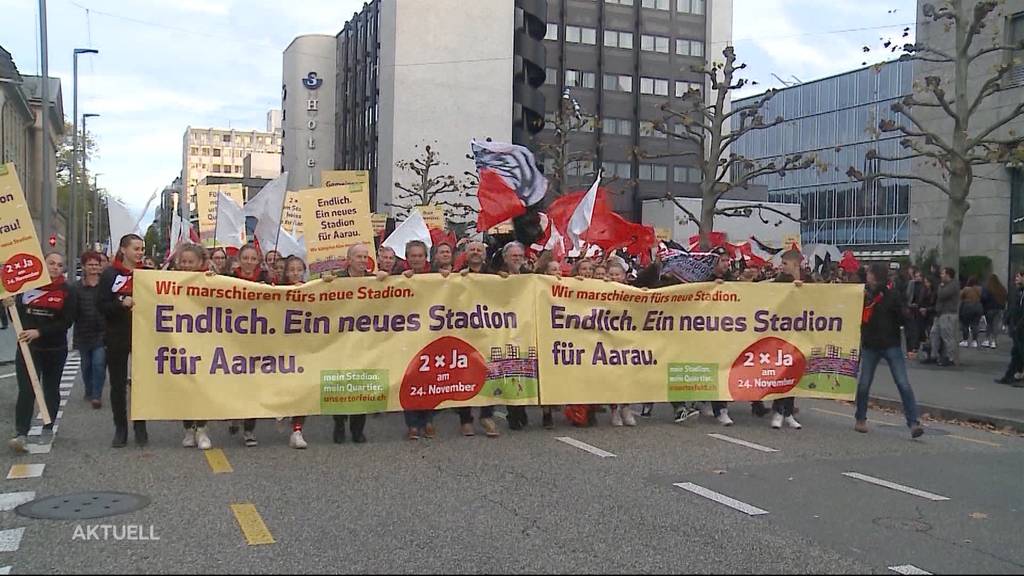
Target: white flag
[414,228]
[123,221]
[229,230]
[267,208]
[581,217]
[288,245]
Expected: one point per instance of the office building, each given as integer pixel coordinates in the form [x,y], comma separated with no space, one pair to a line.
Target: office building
[220,152]
[308,103]
[836,120]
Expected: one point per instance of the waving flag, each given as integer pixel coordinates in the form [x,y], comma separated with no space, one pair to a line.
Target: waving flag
[509,182]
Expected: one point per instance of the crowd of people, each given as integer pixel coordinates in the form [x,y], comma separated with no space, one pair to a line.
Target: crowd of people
[925,309]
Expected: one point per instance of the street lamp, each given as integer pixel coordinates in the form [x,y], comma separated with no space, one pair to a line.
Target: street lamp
[85,149]
[73,246]
[96,209]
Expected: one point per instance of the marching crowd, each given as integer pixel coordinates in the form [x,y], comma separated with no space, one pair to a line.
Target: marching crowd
[99,307]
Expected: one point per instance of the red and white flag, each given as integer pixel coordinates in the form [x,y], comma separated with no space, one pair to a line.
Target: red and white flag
[509,182]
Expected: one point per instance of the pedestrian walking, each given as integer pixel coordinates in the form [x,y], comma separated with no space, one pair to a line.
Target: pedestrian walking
[944,350]
[192,258]
[249,268]
[971,313]
[476,263]
[46,315]
[993,301]
[417,422]
[784,408]
[358,259]
[115,303]
[89,325]
[621,414]
[880,339]
[1015,325]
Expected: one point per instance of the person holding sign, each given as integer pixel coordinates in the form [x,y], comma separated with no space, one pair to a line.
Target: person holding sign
[476,263]
[249,268]
[46,314]
[295,275]
[785,408]
[417,421]
[192,258]
[115,302]
[358,259]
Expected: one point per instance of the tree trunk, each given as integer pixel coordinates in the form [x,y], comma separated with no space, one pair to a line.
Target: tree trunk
[707,222]
[956,209]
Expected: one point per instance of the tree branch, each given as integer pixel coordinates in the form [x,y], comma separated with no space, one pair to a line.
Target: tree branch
[944,188]
[1013,115]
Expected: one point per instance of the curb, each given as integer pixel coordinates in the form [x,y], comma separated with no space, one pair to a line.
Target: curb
[941,413]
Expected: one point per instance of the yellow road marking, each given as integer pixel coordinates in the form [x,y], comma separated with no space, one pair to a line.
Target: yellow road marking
[25,471]
[218,461]
[249,520]
[879,422]
[966,439]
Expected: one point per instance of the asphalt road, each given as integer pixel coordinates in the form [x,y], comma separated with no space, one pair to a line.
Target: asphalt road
[527,502]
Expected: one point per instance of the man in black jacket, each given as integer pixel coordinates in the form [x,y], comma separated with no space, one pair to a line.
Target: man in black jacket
[1015,321]
[880,338]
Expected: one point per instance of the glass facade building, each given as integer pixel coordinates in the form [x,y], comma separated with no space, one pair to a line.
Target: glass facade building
[836,119]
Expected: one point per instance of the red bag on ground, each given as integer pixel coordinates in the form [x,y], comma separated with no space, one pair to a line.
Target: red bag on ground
[576,414]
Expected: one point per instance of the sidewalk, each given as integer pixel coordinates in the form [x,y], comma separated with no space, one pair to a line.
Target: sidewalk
[965,393]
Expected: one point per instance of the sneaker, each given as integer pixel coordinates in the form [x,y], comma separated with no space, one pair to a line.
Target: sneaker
[706,410]
[686,413]
[986,344]
[202,439]
[861,426]
[96,404]
[429,432]
[646,410]
[548,421]
[19,444]
[994,345]
[963,344]
[358,438]
[916,431]
[792,423]
[723,418]
[141,434]
[467,429]
[974,344]
[616,417]
[777,421]
[190,439]
[233,428]
[412,434]
[296,441]
[250,439]
[627,416]
[490,428]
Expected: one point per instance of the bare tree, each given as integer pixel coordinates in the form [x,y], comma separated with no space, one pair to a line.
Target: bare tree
[707,127]
[954,150]
[569,120]
[432,188]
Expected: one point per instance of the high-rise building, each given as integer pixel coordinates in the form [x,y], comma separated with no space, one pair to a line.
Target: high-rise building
[220,152]
[836,119]
[994,225]
[621,60]
[308,102]
[274,122]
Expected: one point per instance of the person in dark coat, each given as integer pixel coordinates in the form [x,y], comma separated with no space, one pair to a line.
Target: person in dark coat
[1015,323]
[880,339]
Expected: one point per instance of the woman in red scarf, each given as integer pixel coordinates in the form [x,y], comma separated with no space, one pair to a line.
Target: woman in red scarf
[295,275]
[114,298]
[46,314]
[248,269]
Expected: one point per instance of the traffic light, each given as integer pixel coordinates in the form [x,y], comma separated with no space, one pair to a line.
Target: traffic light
[53,240]
[530,59]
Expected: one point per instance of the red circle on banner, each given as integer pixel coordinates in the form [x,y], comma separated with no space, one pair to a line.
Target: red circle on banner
[370,264]
[446,369]
[769,366]
[19,270]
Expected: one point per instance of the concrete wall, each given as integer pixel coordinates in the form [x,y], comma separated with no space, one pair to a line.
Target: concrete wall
[308,134]
[262,165]
[986,231]
[444,80]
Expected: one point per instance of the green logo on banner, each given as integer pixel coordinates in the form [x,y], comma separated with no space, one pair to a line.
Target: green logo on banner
[353,391]
[691,381]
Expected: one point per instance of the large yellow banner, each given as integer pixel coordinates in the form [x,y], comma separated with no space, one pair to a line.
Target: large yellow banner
[21,259]
[213,348]
[608,343]
[335,219]
[206,207]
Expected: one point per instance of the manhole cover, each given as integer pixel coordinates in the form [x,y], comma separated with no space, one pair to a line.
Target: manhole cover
[83,506]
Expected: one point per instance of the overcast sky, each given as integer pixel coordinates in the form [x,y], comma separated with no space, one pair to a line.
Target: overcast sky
[168,64]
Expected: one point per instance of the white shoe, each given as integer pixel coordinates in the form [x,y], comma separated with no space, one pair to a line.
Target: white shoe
[792,423]
[993,345]
[250,439]
[627,416]
[776,420]
[963,344]
[986,344]
[297,441]
[974,344]
[190,438]
[723,418]
[706,411]
[202,439]
[19,444]
[616,417]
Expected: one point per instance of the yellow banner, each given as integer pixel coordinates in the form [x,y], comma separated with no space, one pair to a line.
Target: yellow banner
[331,178]
[291,217]
[21,256]
[433,216]
[206,207]
[212,348]
[333,219]
[379,222]
[609,343]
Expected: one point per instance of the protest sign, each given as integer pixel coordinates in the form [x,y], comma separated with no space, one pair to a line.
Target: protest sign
[333,219]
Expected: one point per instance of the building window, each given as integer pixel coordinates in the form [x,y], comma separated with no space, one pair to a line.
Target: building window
[622,2]
[655,4]
[552,33]
[1016,31]
[654,172]
[617,126]
[683,87]
[581,35]
[216,152]
[654,86]
[226,138]
[622,170]
[618,83]
[690,48]
[193,150]
[651,43]
[216,169]
[648,130]
[580,79]
[551,76]
[685,175]
[616,39]
[690,6]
